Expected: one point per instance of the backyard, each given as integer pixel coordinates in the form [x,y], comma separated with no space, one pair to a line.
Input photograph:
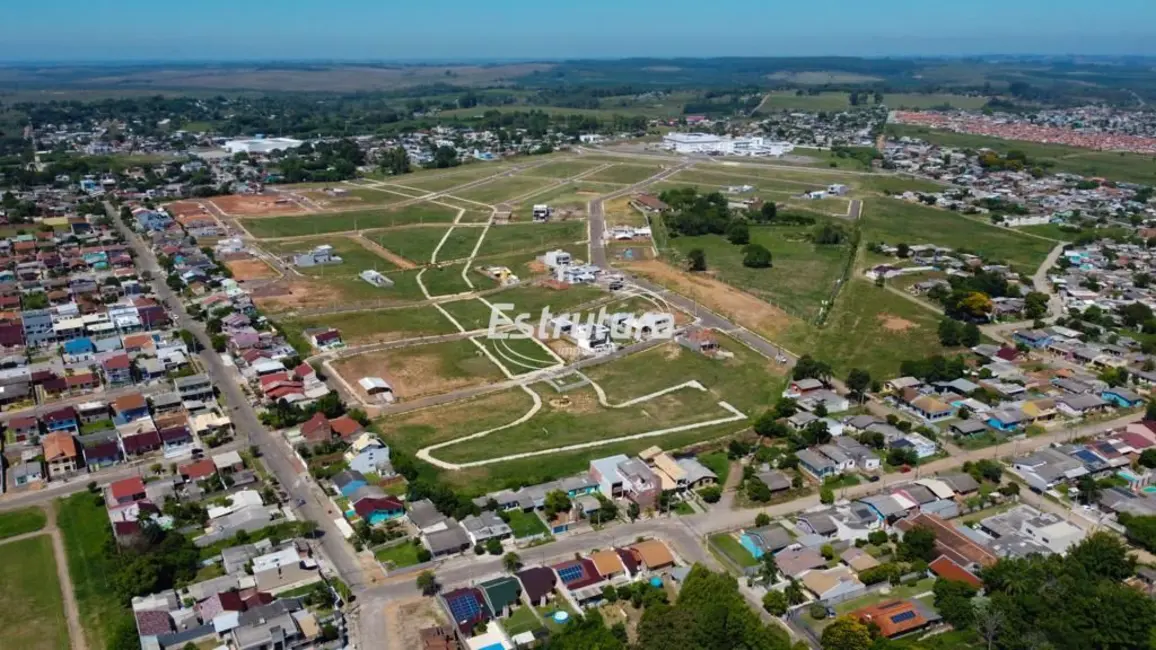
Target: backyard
[526,524]
[730,548]
[400,555]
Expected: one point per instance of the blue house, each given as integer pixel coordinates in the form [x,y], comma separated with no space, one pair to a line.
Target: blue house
[1033,338]
[376,510]
[1121,397]
[64,419]
[80,349]
[768,539]
[1006,419]
[349,481]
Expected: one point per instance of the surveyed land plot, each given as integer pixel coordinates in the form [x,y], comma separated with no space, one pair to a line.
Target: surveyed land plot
[31,603]
[375,326]
[355,257]
[423,370]
[504,189]
[316,224]
[626,174]
[514,238]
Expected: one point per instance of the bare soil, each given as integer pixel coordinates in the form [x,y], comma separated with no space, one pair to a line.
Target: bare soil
[412,375]
[183,209]
[893,323]
[250,269]
[406,619]
[385,253]
[742,307]
[242,205]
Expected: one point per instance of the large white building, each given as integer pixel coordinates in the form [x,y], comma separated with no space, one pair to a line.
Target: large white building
[262,145]
[724,145]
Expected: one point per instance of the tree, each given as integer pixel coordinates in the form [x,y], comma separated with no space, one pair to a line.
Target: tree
[766,213]
[556,501]
[975,304]
[696,259]
[826,495]
[1148,458]
[846,633]
[775,602]
[969,337]
[858,381]
[756,256]
[494,546]
[427,582]
[917,544]
[903,250]
[768,569]
[1087,490]
[794,592]
[511,562]
[1035,305]
[949,332]
[762,519]
[953,602]
[738,233]
[633,511]
[711,493]
[809,368]
[767,425]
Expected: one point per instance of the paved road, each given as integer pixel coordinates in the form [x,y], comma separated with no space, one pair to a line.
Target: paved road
[277,456]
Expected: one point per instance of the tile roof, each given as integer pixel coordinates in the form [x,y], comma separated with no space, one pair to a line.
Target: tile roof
[653,554]
[126,488]
[893,617]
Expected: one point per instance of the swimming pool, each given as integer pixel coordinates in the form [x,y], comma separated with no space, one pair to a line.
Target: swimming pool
[1127,476]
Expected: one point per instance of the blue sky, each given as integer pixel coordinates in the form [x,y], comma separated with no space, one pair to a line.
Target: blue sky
[79,30]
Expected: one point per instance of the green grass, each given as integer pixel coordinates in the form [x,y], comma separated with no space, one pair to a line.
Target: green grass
[562,168]
[802,274]
[569,199]
[503,189]
[519,355]
[526,524]
[873,329]
[31,602]
[437,180]
[460,244]
[472,313]
[376,325]
[19,522]
[87,536]
[526,237]
[730,547]
[355,258]
[896,184]
[448,280]
[429,367]
[414,244]
[717,462]
[399,556]
[522,620]
[315,224]
[626,174]
[893,221]
[1117,166]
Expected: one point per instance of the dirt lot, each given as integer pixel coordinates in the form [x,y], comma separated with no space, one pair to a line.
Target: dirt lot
[293,294]
[250,269]
[745,309]
[181,209]
[239,205]
[419,372]
[630,251]
[376,249]
[406,618]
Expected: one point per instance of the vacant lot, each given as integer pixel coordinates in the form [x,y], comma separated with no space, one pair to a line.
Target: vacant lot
[422,370]
[84,523]
[31,604]
[316,224]
[802,274]
[460,244]
[472,313]
[568,200]
[873,329]
[338,290]
[625,174]
[376,326]
[355,257]
[250,269]
[563,168]
[414,243]
[619,213]
[504,189]
[448,280]
[339,196]
[442,179]
[518,355]
[531,237]
[19,522]
[264,205]
[893,221]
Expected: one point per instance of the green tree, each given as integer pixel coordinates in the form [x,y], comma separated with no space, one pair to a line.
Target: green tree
[738,233]
[511,562]
[949,332]
[846,633]
[953,602]
[711,493]
[1148,458]
[775,602]
[633,511]
[767,425]
[969,336]
[696,259]
[556,502]
[1035,305]
[917,544]
[762,519]
[494,546]
[1088,490]
[826,495]
[858,381]
[756,256]
[427,583]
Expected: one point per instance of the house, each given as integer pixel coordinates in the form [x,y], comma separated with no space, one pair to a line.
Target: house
[619,476]
[775,480]
[836,583]
[317,429]
[800,387]
[1033,338]
[768,539]
[948,569]
[284,569]
[345,427]
[427,519]
[816,464]
[859,560]
[376,510]
[197,470]
[794,563]
[608,565]
[60,453]
[537,584]
[466,607]
[27,473]
[652,555]
[950,541]
[486,526]
[501,595]
[175,439]
[324,339]
[130,408]
[349,481]
[967,428]
[1122,397]
[195,388]
[140,443]
[62,420]
[23,429]
[126,490]
[448,541]
[1007,419]
[931,409]
[1080,405]
[894,618]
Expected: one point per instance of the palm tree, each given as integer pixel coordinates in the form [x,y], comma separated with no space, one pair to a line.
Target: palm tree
[768,569]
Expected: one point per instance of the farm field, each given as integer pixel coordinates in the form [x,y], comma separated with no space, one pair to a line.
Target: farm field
[84,524]
[802,274]
[873,329]
[563,168]
[528,237]
[22,521]
[315,224]
[355,257]
[1117,166]
[31,602]
[422,370]
[503,189]
[826,101]
[893,221]
[623,173]
[376,326]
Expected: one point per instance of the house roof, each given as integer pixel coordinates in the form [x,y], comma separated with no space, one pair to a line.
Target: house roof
[537,581]
[199,469]
[153,623]
[129,402]
[345,426]
[893,617]
[770,538]
[607,562]
[501,592]
[316,426]
[949,569]
[59,445]
[653,554]
[794,563]
[141,441]
[859,560]
[126,488]
[366,507]
[821,582]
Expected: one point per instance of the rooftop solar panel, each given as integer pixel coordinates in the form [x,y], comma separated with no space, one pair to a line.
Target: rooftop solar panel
[902,616]
[570,573]
[464,607]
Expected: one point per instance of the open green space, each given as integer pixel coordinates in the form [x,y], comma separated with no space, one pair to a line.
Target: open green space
[717,462]
[896,184]
[526,237]
[355,258]
[893,221]
[436,180]
[802,274]
[398,556]
[1113,165]
[730,547]
[448,280]
[19,522]
[375,325]
[522,620]
[569,199]
[471,313]
[873,329]
[316,224]
[526,524]
[519,355]
[460,244]
[626,174]
[503,189]
[87,537]
[31,603]
[353,196]
[415,244]
[562,168]
[533,299]
[716,181]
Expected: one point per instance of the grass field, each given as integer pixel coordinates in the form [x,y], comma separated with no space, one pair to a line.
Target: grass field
[893,221]
[896,184]
[448,280]
[801,277]
[519,355]
[522,620]
[344,290]
[355,257]
[562,168]
[873,329]
[1117,166]
[526,524]
[569,199]
[19,522]
[399,556]
[503,189]
[828,101]
[353,197]
[377,325]
[31,603]
[626,174]
[530,237]
[471,313]
[84,524]
[436,180]
[730,547]
[460,244]
[421,370]
[534,299]
[414,244]
[315,224]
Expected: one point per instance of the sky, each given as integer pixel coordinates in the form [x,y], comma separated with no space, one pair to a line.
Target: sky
[461,30]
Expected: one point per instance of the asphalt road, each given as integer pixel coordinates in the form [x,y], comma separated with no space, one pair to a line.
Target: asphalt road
[277,456]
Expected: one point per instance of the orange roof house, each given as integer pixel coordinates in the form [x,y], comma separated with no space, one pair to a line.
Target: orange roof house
[893,618]
[58,446]
[653,554]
